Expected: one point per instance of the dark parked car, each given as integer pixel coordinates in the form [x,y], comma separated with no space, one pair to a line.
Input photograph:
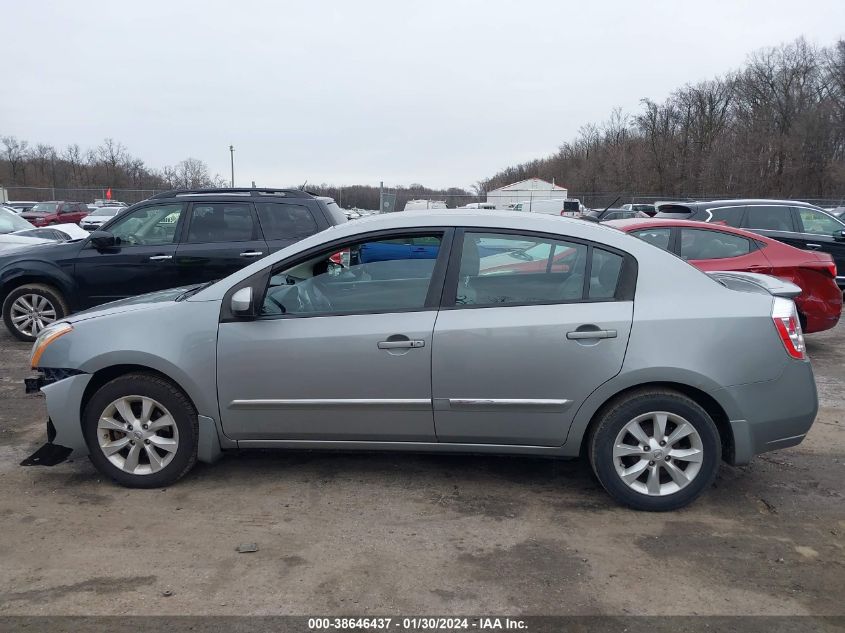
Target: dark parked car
[174,239]
[795,223]
[604,215]
[56,212]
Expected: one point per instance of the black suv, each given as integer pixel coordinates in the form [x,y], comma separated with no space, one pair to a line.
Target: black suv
[795,223]
[177,238]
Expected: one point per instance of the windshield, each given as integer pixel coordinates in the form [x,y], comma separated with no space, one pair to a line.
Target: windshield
[10,222]
[45,207]
[107,212]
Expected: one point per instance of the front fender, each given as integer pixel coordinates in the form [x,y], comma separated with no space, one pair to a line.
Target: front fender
[36,271]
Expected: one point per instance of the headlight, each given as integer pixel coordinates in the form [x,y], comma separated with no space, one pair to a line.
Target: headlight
[47,336]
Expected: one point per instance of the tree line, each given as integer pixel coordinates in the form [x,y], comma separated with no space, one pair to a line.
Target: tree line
[774,128]
[108,165]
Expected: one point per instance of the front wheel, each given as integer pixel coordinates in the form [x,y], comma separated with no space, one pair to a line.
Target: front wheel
[141,430]
[30,308]
[655,449]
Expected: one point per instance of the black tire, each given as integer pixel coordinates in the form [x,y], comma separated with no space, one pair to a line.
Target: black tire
[168,395]
[625,409]
[43,290]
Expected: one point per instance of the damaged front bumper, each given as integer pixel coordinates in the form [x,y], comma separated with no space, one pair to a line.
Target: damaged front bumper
[64,391]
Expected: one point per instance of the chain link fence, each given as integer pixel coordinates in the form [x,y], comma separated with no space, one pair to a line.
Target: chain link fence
[85,194]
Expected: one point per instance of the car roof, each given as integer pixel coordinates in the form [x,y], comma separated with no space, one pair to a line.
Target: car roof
[709,204]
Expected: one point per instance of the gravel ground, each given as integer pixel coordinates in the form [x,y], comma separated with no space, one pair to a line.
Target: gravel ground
[388,534]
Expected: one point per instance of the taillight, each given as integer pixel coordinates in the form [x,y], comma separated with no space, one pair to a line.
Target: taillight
[785,316]
[831,269]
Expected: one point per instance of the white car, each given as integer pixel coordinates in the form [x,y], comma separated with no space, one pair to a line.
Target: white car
[98,217]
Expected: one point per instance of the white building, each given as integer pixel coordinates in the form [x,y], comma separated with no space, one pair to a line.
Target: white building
[531,189]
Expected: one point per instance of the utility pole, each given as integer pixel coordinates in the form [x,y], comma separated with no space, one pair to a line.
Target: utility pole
[232,157]
[381,196]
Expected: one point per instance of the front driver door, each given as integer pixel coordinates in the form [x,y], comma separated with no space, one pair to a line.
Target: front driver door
[141,260]
[341,355]
[527,341]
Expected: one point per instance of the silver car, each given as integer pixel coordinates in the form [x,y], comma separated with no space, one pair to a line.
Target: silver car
[454,332]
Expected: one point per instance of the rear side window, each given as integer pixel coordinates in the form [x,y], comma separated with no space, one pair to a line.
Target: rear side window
[655,237]
[500,270]
[284,221]
[221,222]
[604,274]
[732,216]
[703,244]
[769,218]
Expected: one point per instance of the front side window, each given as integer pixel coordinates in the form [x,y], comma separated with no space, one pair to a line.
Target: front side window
[148,226]
[655,237]
[517,270]
[382,275]
[703,244]
[221,222]
[285,221]
[817,223]
[769,218]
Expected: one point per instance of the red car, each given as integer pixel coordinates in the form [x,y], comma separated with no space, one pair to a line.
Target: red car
[710,246]
[56,212]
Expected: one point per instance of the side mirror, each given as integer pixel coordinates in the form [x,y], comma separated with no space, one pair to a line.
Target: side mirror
[242,302]
[102,240]
[839,236]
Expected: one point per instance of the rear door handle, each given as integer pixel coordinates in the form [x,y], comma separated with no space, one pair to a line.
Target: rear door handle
[401,344]
[577,335]
[251,254]
[158,258]
[813,247]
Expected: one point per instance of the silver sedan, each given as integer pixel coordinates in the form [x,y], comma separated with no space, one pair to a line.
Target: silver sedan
[453,332]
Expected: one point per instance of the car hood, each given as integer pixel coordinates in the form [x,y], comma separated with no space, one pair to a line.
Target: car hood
[141,302]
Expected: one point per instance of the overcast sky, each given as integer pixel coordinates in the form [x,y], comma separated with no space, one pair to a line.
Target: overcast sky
[437,92]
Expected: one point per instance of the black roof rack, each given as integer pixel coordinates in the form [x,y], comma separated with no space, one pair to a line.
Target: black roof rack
[249,191]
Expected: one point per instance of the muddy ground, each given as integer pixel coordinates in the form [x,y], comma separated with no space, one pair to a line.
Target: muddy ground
[407,534]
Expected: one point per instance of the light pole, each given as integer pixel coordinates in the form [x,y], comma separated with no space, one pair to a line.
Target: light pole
[232,156]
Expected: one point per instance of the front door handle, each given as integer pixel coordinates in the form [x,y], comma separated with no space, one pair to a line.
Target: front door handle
[577,335]
[813,247]
[158,258]
[251,254]
[408,344]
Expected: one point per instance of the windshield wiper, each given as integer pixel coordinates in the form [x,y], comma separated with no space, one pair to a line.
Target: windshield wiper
[190,292]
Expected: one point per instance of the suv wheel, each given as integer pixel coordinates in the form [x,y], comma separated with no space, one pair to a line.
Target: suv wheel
[655,450]
[30,308]
[141,431]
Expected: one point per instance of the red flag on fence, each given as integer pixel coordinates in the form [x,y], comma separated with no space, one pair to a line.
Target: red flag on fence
[108,193]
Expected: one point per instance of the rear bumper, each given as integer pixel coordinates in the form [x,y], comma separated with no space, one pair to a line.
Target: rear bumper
[776,414]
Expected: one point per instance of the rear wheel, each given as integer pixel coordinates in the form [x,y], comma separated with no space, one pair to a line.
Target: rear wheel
[141,431]
[655,450]
[30,308]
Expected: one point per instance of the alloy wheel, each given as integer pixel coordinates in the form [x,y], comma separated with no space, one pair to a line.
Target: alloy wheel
[658,453]
[31,313]
[138,435]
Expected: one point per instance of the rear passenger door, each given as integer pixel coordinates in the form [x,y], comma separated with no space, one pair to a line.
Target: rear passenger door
[220,238]
[284,223]
[524,336]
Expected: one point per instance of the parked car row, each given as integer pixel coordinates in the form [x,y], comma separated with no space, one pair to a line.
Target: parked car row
[453,331]
[172,239]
